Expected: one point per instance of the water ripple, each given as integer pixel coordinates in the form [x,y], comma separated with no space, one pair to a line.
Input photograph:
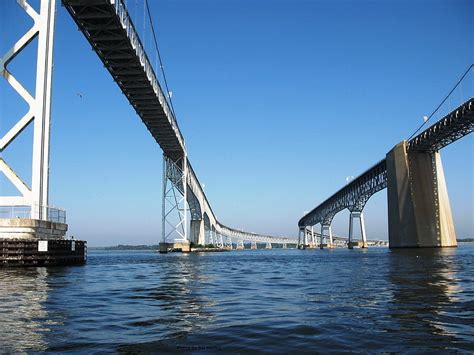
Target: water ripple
[265,301]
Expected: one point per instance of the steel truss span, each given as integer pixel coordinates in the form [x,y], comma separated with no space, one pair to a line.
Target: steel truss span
[457,124]
[352,196]
[355,195]
[109,29]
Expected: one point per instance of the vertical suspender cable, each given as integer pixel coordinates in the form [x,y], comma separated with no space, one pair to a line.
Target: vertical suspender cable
[159,58]
[444,100]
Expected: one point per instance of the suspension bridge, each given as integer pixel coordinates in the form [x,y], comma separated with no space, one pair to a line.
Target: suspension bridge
[187,216]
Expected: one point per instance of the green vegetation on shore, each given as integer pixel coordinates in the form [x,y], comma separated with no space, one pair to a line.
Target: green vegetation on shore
[127,247]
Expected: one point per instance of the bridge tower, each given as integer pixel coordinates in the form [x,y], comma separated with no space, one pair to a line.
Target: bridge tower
[32,232]
[182,220]
[39,112]
[419,213]
[174,222]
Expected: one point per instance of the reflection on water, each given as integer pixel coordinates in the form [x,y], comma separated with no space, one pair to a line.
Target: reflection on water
[24,320]
[427,302]
[175,292]
[279,300]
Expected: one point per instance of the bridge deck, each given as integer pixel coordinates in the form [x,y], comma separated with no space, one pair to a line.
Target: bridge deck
[452,127]
[455,125]
[109,30]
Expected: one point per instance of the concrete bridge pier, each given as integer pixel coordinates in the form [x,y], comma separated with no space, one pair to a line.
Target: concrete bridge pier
[363,243]
[253,245]
[228,243]
[301,242]
[210,237]
[419,213]
[312,242]
[268,246]
[197,232]
[305,238]
[240,245]
[284,246]
[308,240]
[329,244]
[219,241]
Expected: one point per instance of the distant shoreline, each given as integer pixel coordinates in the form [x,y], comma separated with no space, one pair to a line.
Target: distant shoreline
[127,247]
[157,247]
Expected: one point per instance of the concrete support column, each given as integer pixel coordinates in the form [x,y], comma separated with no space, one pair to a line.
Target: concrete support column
[329,244]
[300,242]
[197,232]
[321,238]
[253,245]
[351,222]
[362,230]
[419,213]
[363,242]
[268,246]
[284,246]
[212,239]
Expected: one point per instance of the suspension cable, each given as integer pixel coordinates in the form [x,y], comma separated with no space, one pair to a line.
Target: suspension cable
[159,57]
[442,102]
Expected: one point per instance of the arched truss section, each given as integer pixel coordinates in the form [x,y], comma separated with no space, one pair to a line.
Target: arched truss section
[352,196]
[253,237]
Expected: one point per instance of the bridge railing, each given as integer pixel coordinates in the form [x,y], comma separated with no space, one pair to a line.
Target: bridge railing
[132,34]
[248,236]
[49,213]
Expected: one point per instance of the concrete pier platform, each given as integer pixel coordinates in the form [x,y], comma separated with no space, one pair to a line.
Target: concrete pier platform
[183,247]
[33,242]
[37,252]
[306,246]
[357,244]
[328,246]
[18,228]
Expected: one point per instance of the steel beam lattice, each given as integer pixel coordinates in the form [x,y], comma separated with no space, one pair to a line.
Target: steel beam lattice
[174,208]
[449,129]
[354,196]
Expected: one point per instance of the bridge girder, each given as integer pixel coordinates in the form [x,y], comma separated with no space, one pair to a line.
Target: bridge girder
[354,196]
[109,29]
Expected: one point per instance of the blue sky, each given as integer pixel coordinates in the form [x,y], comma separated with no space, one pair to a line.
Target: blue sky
[279,101]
